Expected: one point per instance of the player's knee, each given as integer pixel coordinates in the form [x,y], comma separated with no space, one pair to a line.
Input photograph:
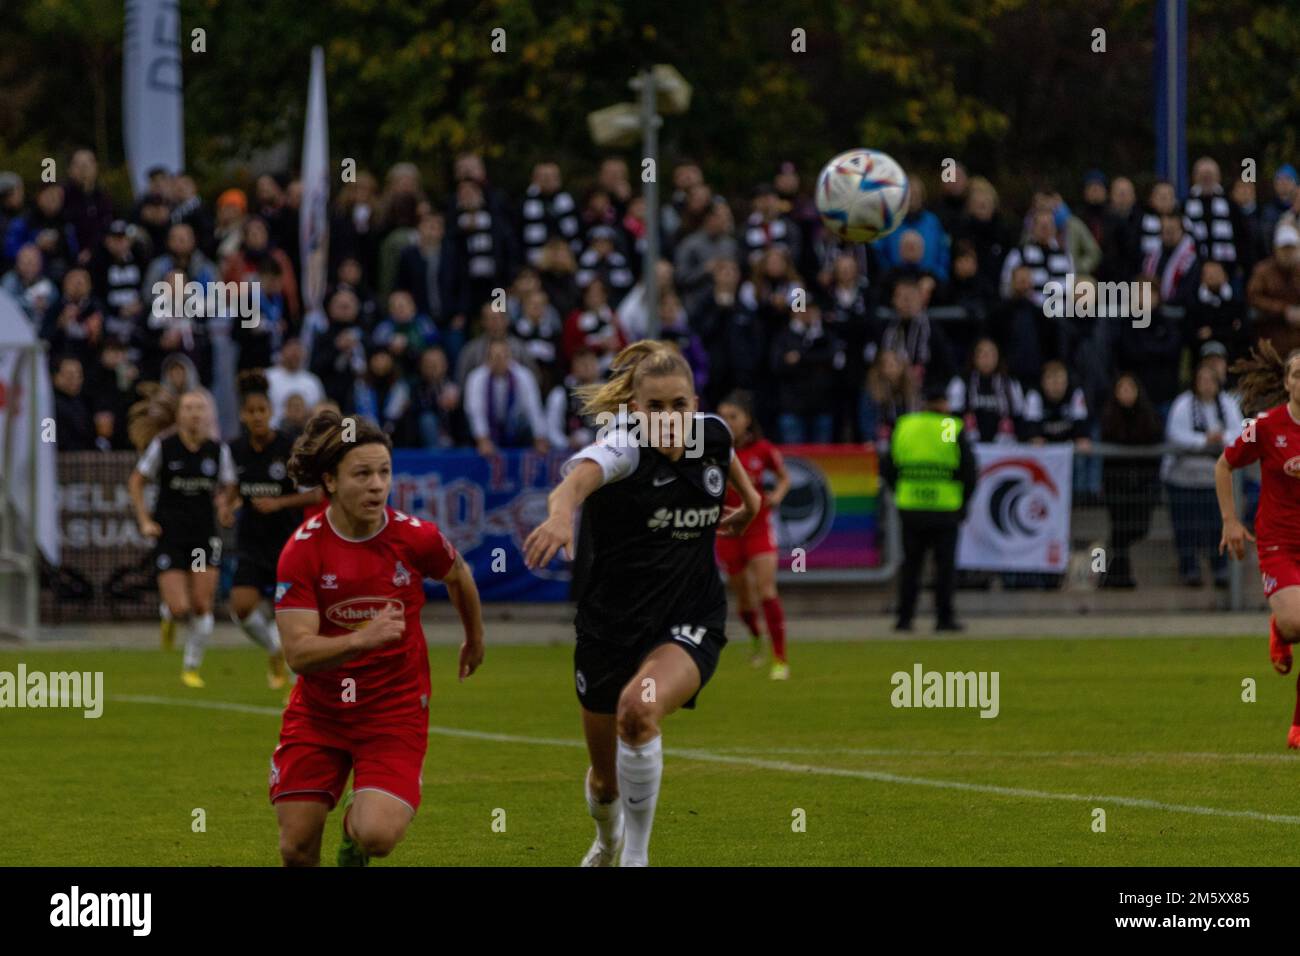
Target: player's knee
[241,607]
[299,850]
[1288,623]
[377,839]
[180,611]
[202,606]
[637,720]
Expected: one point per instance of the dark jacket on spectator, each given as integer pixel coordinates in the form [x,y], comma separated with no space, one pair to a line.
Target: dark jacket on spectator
[1223,312]
[1121,246]
[736,344]
[89,214]
[73,427]
[432,285]
[804,386]
[338,368]
[992,240]
[1151,354]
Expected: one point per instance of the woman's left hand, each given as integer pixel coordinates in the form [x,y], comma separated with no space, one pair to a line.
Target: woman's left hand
[735,521]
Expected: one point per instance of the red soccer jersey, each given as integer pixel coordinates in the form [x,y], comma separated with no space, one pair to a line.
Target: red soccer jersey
[1276,446]
[756,458]
[347,583]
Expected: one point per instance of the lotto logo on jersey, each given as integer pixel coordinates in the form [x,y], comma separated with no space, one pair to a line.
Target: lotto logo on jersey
[358,612]
[683,517]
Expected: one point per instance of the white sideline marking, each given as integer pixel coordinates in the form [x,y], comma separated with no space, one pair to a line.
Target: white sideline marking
[705,756]
[1136,756]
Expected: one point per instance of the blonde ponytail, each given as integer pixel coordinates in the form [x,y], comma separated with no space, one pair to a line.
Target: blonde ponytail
[640,360]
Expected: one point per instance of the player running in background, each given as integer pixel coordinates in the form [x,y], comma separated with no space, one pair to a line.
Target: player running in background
[270,508]
[189,468]
[1270,390]
[750,558]
[652,608]
[348,596]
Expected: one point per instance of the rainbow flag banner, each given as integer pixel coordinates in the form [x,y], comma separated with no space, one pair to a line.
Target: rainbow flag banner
[832,510]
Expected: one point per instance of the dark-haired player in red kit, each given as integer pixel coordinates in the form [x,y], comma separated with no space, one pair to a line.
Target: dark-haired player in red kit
[749,559]
[1273,440]
[348,597]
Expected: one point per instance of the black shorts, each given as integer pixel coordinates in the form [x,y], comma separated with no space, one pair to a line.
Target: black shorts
[602,669]
[178,554]
[253,571]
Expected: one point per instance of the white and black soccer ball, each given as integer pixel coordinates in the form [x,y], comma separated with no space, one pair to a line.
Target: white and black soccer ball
[862,195]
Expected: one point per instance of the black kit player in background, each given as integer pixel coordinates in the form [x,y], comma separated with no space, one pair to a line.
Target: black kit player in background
[270,508]
[190,468]
[652,608]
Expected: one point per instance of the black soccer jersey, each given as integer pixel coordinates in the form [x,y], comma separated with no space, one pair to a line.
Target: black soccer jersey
[264,474]
[645,543]
[186,481]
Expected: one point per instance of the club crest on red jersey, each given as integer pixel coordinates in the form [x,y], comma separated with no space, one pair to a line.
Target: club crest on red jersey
[401,577]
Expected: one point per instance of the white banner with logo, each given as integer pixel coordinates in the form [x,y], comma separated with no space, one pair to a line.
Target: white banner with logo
[17,443]
[152,100]
[1019,516]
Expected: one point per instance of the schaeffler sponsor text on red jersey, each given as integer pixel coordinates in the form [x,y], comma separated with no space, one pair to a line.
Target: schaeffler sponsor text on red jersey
[348,582]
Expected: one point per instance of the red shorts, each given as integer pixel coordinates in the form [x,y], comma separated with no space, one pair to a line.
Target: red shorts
[315,755]
[1279,569]
[734,553]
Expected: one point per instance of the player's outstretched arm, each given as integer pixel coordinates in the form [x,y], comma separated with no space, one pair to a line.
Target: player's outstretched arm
[557,530]
[306,650]
[738,519]
[1235,534]
[463,594]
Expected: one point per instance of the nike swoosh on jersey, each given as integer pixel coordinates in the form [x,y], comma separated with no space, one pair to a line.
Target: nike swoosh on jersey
[663,480]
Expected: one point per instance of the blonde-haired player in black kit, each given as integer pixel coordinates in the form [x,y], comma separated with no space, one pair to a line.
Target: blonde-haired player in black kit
[651,604]
[190,469]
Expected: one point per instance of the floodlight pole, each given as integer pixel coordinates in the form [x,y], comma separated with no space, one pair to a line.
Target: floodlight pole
[650,120]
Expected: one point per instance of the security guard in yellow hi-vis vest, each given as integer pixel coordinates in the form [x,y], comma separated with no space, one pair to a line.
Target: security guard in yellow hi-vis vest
[931,470]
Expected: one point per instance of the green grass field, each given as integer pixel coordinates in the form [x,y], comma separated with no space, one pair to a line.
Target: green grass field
[1152,731]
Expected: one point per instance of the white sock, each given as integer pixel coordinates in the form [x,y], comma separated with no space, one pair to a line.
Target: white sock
[262,631]
[197,633]
[164,612]
[639,772]
[608,816]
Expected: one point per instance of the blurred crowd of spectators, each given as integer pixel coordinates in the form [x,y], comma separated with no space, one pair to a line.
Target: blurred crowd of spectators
[415,334]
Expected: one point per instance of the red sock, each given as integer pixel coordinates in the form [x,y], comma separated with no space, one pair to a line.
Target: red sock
[775,616]
[750,618]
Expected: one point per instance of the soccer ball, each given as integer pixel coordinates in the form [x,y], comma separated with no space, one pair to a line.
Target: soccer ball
[862,195]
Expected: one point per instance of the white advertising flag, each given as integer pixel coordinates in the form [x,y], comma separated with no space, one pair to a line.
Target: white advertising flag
[17,443]
[153,109]
[313,223]
[1018,519]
